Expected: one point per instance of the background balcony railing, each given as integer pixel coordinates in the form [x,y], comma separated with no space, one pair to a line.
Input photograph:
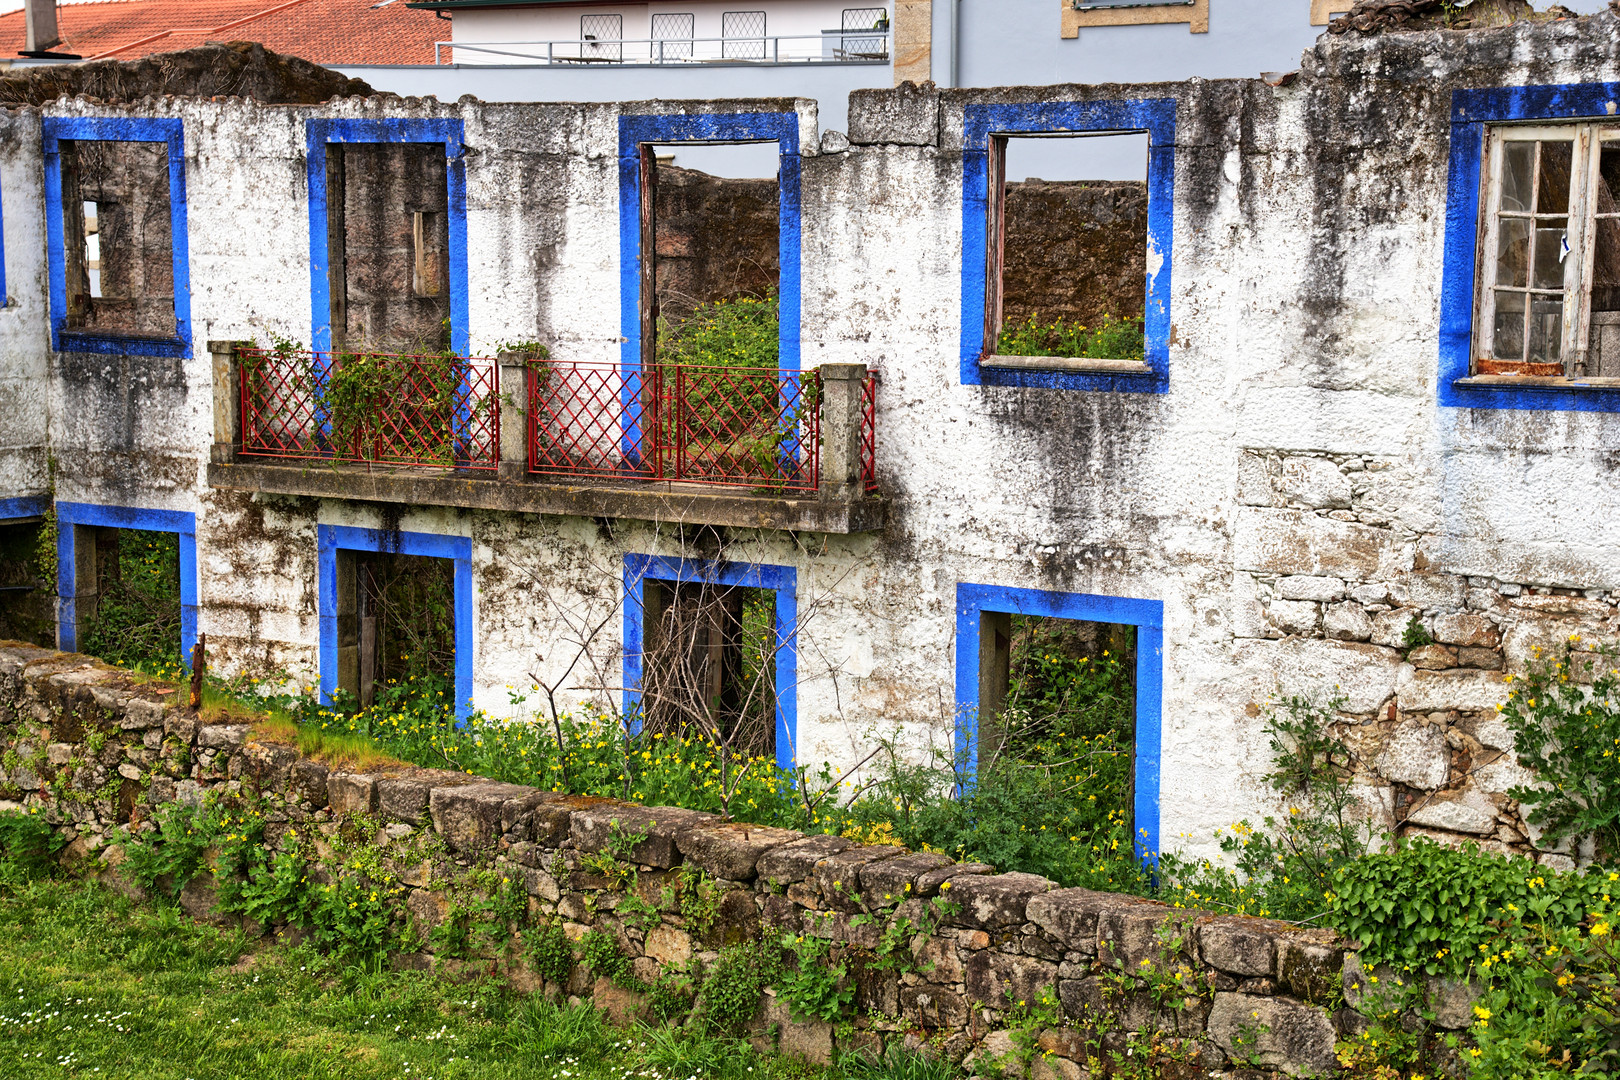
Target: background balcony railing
[827,47]
[383,408]
[754,427]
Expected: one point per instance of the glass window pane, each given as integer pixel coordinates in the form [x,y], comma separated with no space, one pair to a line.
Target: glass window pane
[1552,193]
[1513,252]
[1546,328]
[1509,326]
[1552,248]
[1518,165]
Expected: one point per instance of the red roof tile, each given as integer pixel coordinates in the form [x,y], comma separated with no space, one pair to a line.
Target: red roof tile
[321,31]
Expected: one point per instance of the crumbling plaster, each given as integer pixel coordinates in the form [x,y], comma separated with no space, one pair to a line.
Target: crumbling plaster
[1293,499]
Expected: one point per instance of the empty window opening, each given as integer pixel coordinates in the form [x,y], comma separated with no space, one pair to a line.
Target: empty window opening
[711,217]
[388,246]
[1057,707]
[127,595]
[396,625]
[742,35]
[27,597]
[1067,274]
[118,237]
[709,665]
[601,37]
[672,34]
[1549,305]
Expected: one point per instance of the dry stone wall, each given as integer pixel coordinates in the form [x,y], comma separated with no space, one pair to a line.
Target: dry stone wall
[102,754]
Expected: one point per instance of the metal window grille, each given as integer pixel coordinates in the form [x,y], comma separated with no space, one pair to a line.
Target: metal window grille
[742,35]
[601,37]
[864,46]
[756,427]
[370,407]
[672,36]
[869,432]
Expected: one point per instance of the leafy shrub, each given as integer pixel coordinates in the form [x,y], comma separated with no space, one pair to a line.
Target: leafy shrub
[1110,339]
[1436,910]
[731,993]
[604,957]
[817,985]
[137,620]
[1568,733]
[548,953]
[28,846]
[740,332]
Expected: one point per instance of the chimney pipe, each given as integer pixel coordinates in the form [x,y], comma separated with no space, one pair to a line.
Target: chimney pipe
[39,18]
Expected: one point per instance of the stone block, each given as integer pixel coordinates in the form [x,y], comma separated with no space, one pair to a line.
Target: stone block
[468,818]
[907,115]
[796,861]
[140,714]
[1437,590]
[403,798]
[1467,811]
[1275,1032]
[996,901]
[1484,659]
[1453,1002]
[1314,482]
[1365,674]
[1001,979]
[669,945]
[1432,657]
[933,1007]
[891,881]
[929,884]
[1389,627]
[1462,628]
[1346,622]
[222,736]
[1131,933]
[1294,616]
[307,782]
[936,958]
[625,1008]
[541,884]
[1308,969]
[1239,946]
[600,826]
[351,793]
[1416,754]
[517,813]
[1500,777]
[1464,690]
[1287,542]
[1307,587]
[1070,916]
[838,875]
[731,850]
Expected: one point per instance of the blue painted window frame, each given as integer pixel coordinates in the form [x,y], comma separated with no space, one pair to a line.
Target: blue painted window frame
[116,129]
[783,580]
[1148,618]
[182,522]
[639,130]
[321,133]
[330,539]
[981,124]
[24,506]
[1471,112]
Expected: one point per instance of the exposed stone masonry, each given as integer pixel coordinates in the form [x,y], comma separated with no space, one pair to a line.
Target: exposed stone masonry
[98,752]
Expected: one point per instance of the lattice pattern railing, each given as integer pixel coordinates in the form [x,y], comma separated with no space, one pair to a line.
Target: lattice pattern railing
[869,433]
[759,427]
[384,408]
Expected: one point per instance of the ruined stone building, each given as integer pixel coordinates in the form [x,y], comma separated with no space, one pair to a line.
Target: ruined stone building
[1378,360]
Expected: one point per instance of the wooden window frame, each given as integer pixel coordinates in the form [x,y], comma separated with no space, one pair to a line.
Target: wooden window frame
[1587,139]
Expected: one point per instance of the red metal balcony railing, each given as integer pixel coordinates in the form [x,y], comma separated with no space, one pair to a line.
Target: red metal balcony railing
[869,433]
[755,427]
[384,408]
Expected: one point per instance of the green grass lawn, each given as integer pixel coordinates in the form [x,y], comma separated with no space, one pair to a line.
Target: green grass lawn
[93,985]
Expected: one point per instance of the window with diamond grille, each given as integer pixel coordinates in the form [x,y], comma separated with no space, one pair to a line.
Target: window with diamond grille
[601,36]
[672,36]
[864,46]
[743,35]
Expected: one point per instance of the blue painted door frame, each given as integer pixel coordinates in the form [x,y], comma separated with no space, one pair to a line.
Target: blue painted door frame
[330,539]
[1148,618]
[783,580]
[69,514]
